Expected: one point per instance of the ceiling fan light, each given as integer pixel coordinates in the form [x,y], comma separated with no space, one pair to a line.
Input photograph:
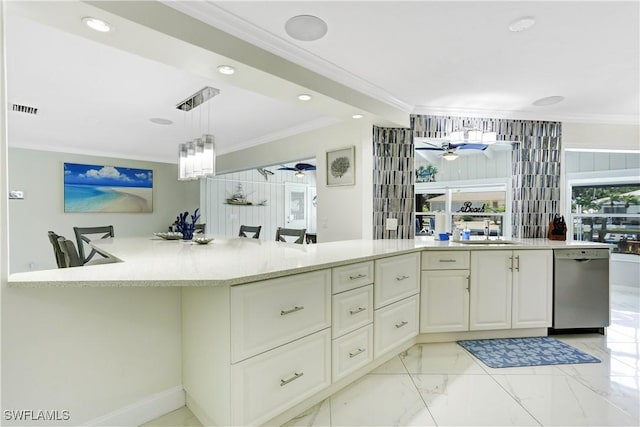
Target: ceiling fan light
[299,174]
[449,155]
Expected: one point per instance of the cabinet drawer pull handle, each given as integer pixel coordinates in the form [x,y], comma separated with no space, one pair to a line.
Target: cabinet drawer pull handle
[357,310]
[293,310]
[295,376]
[517,262]
[401,278]
[511,263]
[401,324]
[357,352]
[359,276]
[447,260]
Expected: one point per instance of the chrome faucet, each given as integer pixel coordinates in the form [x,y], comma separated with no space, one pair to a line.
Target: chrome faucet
[486,229]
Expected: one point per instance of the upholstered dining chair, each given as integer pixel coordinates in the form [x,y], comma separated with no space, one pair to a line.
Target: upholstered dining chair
[70,256]
[298,233]
[82,234]
[53,238]
[254,231]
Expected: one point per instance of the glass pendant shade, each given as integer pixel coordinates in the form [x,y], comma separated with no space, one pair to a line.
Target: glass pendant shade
[182,162]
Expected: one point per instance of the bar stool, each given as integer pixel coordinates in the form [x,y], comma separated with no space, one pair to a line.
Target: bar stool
[290,232]
[81,238]
[255,230]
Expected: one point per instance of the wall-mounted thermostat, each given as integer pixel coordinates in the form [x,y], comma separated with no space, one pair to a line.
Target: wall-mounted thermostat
[16,194]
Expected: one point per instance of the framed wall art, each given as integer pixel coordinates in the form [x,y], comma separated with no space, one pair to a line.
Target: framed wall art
[97,188]
[341,167]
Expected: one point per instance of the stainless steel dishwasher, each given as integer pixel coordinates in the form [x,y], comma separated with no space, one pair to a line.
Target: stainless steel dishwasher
[580,289]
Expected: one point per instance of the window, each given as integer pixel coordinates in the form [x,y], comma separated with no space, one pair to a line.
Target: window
[465,206]
[608,212]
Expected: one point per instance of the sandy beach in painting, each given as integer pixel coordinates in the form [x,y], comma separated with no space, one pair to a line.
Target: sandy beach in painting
[108,199]
[132,199]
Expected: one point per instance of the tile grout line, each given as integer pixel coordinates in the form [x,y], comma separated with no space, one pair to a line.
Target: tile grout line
[417,389]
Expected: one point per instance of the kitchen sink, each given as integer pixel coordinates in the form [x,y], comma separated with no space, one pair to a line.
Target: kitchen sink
[486,242]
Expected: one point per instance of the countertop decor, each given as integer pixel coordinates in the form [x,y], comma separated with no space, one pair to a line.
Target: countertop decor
[187,228]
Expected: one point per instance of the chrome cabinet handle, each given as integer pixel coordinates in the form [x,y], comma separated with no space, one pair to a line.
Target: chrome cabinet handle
[401,278]
[357,352]
[357,310]
[447,260]
[293,310]
[468,283]
[517,262]
[359,276]
[401,324]
[295,376]
[511,263]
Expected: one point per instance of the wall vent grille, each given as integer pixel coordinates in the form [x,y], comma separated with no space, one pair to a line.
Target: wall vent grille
[24,109]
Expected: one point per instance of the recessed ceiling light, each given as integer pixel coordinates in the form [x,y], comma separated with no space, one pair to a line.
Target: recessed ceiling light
[226,69]
[96,24]
[357,116]
[306,28]
[160,121]
[304,97]
[522,24]
[549,100]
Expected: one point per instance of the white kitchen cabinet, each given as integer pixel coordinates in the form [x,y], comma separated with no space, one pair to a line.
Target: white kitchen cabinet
[396,278]
[510,289]
[444,301]
[351,310]
[351,276]
[265,385]
[352,351]
[444,291]
[532,289]
[395,324]
[277,311]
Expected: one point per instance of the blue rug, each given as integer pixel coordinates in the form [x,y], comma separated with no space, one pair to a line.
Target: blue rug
[509,352]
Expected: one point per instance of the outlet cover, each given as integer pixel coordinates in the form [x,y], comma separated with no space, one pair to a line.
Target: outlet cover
[392,224]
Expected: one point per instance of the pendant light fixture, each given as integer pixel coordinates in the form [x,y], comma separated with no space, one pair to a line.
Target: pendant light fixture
[197,157]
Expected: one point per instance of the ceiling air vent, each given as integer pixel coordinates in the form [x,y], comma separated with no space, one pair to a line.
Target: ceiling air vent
[24,109]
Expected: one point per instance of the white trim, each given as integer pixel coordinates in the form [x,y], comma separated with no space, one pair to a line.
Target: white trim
[144,410]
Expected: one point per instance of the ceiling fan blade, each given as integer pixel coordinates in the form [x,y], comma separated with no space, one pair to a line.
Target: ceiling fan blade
[429,149]
[468,146]
[305,167]
[287,169]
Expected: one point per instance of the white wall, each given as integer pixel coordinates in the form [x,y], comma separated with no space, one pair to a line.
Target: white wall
[600,136]
[90,351]
[343,212]
[225,219]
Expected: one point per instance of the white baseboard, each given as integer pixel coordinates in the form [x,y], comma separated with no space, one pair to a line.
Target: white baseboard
[143,410]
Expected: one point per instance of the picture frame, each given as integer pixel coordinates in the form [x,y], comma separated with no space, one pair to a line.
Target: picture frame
[107,189]
[341,167]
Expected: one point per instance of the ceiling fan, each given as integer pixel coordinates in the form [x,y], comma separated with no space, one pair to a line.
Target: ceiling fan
[299,168]
[460,143]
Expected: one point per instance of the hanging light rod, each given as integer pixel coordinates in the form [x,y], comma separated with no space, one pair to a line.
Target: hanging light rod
[198,98]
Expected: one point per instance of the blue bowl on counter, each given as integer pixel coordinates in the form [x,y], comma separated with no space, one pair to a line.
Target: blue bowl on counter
[443,236]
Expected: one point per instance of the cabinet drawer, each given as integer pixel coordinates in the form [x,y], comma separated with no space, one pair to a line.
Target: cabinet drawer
[352,351]
[352,310]
[445,260]
[351,276]
[395,324]
[273,312]
[266,385]
[396,278]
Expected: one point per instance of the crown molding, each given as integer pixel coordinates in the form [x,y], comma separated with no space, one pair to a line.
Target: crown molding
[620,119]
[281,134]
[230,23]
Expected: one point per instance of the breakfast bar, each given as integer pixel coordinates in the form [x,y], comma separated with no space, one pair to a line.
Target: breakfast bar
[271,328]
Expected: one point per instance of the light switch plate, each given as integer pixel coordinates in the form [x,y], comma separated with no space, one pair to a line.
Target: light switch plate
[392,224]
[16,194]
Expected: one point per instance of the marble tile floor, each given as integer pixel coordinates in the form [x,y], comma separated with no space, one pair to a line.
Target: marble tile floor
[444,385]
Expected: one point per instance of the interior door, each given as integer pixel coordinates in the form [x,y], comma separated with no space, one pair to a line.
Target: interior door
[295,205]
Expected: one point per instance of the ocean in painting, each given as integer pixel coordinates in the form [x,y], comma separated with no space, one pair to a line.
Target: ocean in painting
[92,188]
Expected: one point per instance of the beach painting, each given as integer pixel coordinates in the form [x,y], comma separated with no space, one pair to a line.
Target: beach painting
[93,188]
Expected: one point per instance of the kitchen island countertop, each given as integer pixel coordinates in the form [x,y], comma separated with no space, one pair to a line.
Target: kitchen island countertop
[153,262]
